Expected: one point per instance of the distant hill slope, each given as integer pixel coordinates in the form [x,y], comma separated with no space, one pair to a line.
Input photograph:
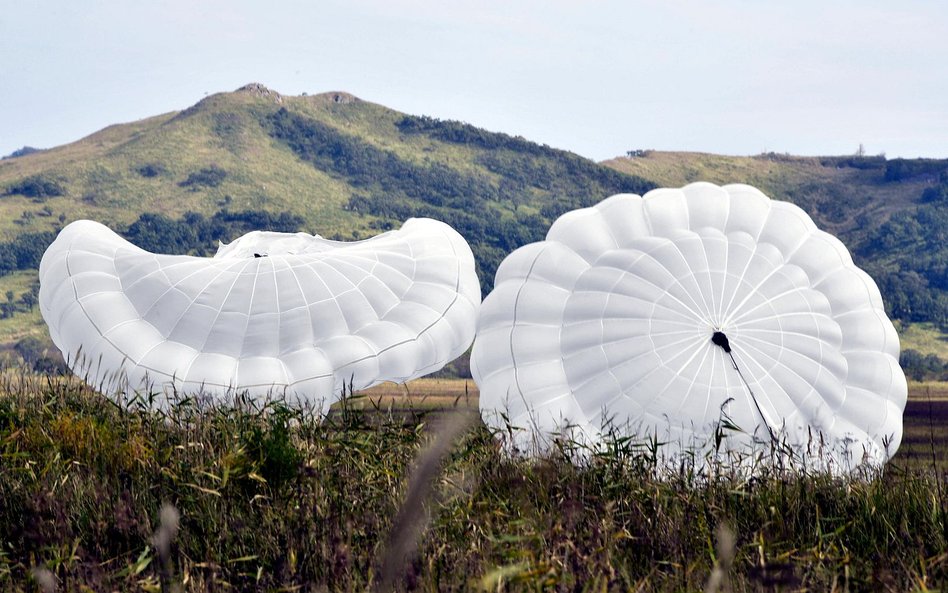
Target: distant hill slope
[845,195]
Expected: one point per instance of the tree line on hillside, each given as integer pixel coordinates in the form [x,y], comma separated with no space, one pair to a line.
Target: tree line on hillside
[25,251]
[193,234]
[511,200]
[891,170]
[367,167]
[908,257]
[524,164]
[196,234]
[456,132]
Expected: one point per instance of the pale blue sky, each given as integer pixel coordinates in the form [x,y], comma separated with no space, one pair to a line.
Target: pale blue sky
[595,77]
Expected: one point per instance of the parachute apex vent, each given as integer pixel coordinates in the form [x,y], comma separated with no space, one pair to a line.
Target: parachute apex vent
[719,339]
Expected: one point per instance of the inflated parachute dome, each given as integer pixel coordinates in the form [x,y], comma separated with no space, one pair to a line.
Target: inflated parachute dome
[674,315]
[270,313]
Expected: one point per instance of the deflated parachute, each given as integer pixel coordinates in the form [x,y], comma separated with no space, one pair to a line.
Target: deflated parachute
[671,315]
[270,312]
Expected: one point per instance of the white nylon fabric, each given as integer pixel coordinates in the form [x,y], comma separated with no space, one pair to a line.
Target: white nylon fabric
[270,313]
[608,323]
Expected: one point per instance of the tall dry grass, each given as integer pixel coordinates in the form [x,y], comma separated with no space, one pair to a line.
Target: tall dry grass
[268,497]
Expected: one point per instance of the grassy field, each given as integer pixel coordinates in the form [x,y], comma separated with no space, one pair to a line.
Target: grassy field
[23,322]
[404,488]
[926,338]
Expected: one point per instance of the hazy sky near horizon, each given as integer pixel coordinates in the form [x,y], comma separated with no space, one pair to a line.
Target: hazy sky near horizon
[595,77]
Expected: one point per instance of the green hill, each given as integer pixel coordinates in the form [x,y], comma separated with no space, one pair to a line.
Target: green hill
[331,164]
[346,168]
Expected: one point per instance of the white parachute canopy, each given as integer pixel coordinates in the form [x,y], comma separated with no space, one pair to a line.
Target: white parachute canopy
[668,316]
[270,313]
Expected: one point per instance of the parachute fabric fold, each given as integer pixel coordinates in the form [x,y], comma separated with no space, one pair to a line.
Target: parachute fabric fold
[607,324]
[276,313]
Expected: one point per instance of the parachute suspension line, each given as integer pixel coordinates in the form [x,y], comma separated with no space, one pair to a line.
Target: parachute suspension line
[719,339]
[760,412]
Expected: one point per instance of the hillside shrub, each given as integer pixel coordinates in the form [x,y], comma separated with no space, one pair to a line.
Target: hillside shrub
[30,348]
[22,152]
[37,187]
[211,176]
[855,162]
[923,367]
[151,170]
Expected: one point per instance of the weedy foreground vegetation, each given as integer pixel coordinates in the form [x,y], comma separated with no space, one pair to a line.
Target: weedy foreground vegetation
[98,497]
